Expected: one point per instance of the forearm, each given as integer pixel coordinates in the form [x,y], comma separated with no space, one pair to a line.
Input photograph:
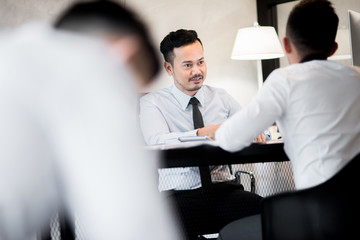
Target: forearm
[208,131]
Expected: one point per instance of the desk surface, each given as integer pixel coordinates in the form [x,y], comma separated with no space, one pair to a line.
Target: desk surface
[203,155]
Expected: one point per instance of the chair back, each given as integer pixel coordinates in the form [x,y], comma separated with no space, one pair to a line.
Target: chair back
[327,211]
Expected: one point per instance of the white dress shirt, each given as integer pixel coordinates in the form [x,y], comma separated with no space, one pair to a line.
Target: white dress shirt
[166,115]
[68,132]
[316,106]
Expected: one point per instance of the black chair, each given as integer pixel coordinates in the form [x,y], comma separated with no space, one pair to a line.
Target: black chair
[327,211]
[251,179]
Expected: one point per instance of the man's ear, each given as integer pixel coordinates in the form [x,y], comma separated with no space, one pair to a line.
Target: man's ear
[125,48]
[333,49]
[287,45]
[169,68]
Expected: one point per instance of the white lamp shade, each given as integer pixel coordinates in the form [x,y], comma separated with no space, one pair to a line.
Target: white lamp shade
[254,43]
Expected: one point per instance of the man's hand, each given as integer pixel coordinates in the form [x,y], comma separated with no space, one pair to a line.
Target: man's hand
[260,138]
[208,131]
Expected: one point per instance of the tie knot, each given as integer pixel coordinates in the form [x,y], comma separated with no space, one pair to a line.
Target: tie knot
[194,101]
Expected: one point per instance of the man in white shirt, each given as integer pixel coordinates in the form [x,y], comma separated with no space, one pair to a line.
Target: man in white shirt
[166,115]
[66,104]
[315,102]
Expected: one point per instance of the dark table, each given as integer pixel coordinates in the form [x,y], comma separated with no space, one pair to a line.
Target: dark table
[205,155]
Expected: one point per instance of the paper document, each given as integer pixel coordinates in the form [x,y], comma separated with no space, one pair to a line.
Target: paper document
[194,138]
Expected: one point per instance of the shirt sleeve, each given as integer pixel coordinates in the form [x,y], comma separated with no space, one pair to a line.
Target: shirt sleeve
[154,126]
[266,107]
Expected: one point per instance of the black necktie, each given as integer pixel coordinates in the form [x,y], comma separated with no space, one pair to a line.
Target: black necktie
[199,123]
[197,117]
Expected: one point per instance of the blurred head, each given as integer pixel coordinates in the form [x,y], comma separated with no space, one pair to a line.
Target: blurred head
[311,29]
[126,35]
[184,60]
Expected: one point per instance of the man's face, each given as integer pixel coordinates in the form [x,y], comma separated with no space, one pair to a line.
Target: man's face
[188,68]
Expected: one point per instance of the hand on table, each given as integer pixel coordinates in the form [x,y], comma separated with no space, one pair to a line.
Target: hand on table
[208,131]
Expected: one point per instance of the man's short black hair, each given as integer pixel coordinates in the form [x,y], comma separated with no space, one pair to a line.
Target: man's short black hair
[107,18]
[177,39]
[312,26]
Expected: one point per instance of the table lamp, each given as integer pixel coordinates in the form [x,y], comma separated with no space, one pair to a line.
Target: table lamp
[257,43]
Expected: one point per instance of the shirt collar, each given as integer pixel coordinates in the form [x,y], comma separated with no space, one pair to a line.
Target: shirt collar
[315,56]
[184,99]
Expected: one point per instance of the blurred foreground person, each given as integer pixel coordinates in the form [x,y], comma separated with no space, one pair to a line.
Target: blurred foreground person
[69,139]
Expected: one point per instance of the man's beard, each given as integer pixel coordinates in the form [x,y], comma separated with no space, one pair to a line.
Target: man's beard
[198,86]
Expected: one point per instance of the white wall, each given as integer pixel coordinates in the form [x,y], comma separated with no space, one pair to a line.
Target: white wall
[15,12]
[216,22]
